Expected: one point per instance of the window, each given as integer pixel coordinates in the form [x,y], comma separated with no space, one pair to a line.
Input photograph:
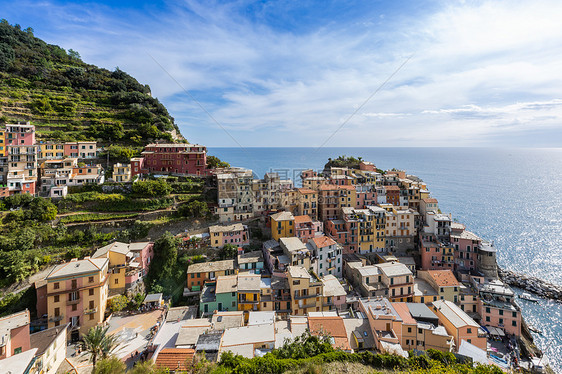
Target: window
[91,279]
[487,310]
[56,286]
[57,298]
[409,329]
[501,312]
[513,323]
[17,350]
[487,318]
[74,307]
[469,330]
[514,314]
[116,280]
[92,316]
[91,292]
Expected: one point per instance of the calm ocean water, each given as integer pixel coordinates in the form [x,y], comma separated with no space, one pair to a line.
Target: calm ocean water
[510,196]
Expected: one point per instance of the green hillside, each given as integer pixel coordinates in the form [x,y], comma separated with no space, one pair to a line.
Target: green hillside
[68,99]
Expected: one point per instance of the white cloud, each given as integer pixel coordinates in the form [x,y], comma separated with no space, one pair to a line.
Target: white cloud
[479,68]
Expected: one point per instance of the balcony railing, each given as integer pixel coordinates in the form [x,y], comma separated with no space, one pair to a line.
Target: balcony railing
[72,302]
[56,318]
[91,310]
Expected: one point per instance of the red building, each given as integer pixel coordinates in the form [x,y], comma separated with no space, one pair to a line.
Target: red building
[392,195]
[187,159]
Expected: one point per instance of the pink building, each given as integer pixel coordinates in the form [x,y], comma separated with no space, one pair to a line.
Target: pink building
[306,228]
[435,255]
[188,159]
[14,334]
[497,308]
[138,166]
[20,135]
[236,234]
[466,246]
[366,196]
[143,252]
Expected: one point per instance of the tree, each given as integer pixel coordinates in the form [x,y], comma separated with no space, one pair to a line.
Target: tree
[152,188]
[42,210]
[228,252]
[194,209]
[164,262]
[98,343]
[74,54]
[118,303]
[214,162]
[147,367]
[111,365]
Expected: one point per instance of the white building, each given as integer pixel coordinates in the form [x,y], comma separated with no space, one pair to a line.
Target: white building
[327,254]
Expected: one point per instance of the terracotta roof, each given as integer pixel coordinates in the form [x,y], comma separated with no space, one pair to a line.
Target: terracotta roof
[430,200]
[443,278]
[404,312]
[323,241]
[175,358]
[305,190]
[333,326]
[392,188]
[302,219]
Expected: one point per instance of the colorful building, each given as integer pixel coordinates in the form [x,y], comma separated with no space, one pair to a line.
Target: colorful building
[128,264]
[75,292]
[14,334]
[121,173]
[282,225]
[306,228]
[444,282]
[235,234]
[306,291]
[176,158]
[198,274]
[459,324]
[328,256]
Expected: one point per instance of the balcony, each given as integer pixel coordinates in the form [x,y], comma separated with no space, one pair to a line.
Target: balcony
[299,297]
[91,310]
[72,302]
[56,318]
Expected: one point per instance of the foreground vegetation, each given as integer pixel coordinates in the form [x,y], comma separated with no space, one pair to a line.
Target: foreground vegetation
[315,354]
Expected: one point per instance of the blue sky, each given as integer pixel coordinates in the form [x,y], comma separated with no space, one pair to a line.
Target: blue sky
[290,73]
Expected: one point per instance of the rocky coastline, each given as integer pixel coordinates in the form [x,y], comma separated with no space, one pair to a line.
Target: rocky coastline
[534,285]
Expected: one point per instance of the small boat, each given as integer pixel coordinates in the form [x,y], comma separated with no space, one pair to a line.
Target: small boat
[527,296]
[534,329]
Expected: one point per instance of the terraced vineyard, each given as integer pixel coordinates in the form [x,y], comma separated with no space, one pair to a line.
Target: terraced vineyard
[67,99]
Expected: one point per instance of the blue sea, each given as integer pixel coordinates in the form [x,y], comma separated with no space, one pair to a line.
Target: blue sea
[510,196]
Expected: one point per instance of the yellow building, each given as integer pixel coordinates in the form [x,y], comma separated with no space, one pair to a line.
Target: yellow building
[122,172]
[3,150]
[117,254]
[50,150]
[307,203]
[444,282]
[306,291]
[76,293]
[249,291]
[282,225]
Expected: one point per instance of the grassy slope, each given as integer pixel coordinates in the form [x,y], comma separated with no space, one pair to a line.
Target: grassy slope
[68,99]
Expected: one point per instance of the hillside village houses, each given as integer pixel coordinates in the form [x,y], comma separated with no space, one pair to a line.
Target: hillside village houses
[364,255]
